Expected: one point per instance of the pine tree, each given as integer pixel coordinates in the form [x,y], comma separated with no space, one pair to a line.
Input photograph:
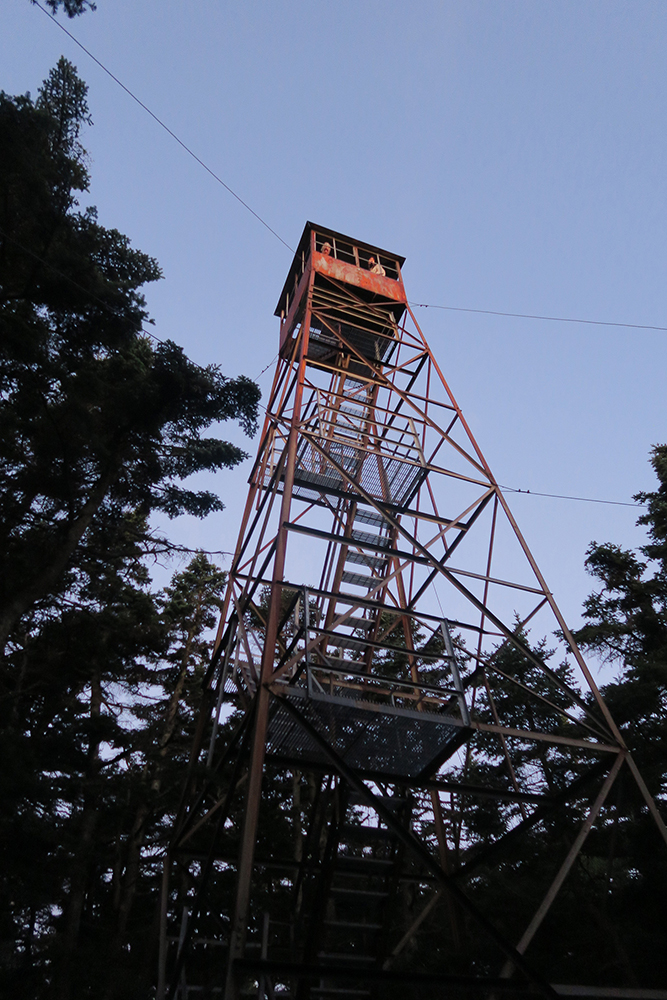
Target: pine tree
[626,627]
[99,428]
[96,422]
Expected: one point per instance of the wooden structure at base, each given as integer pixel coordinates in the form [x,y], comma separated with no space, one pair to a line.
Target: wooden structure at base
[373,653]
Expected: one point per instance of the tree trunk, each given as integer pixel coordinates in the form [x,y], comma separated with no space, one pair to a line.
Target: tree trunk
[81,861]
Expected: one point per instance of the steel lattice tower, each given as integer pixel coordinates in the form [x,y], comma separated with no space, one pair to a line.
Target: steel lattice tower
[378,576]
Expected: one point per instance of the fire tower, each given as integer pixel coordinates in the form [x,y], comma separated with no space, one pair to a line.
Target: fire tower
[374,690]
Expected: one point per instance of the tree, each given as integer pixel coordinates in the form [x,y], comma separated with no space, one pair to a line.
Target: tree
[100,428]
[95,420]
[626,625]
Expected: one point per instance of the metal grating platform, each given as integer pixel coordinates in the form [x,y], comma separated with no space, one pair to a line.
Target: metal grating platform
[384,477]
[395,742]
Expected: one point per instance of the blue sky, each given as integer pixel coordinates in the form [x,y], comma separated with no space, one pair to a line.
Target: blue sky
[514,152]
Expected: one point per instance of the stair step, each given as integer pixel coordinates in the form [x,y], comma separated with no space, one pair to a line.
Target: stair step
[351,666]
[381,541]
[364,623]
[360,580]
[362,559]
[347,597]
[330,481]
[350,428]
[348,642]
[350,431]
[370,517]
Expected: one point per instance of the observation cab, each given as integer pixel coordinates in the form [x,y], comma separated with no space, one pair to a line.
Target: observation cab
[358,300]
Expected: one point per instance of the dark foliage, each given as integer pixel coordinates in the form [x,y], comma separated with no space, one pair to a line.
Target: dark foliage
[71,7]
[95,421]
[99,678]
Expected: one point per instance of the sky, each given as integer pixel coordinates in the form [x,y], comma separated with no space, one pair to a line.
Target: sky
[512,150]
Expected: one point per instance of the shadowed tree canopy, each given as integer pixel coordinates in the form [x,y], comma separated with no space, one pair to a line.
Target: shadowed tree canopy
[96,420]
[626,625]
[100,428]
